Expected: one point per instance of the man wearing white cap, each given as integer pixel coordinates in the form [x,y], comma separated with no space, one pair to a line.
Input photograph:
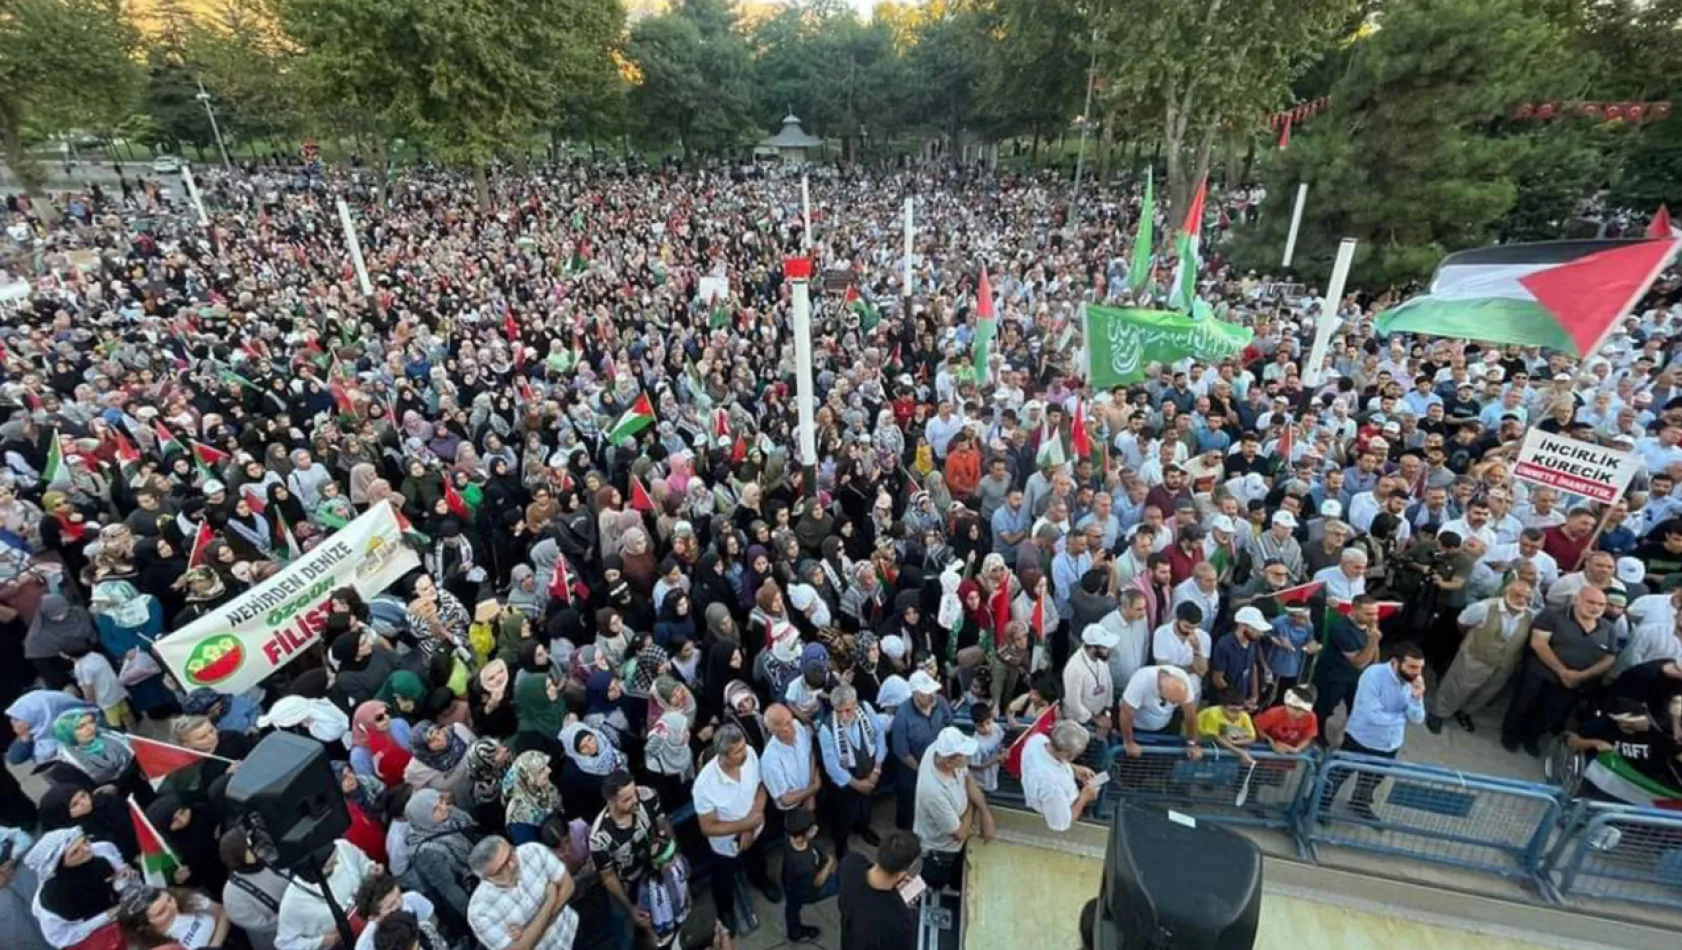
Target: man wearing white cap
[1233,662]
[1279,542]
[950,806]
[1088,692]
[915,726]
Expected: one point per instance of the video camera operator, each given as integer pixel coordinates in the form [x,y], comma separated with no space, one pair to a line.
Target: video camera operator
[1431,580]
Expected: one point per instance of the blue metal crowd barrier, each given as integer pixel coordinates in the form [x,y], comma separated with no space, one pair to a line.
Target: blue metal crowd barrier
[1477,822]
[1219,787]
[1619,852]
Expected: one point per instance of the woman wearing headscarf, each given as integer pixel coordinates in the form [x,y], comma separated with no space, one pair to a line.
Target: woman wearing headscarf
[407,697]
[590,757]
[439,848]
[379,743]
[530,795]
[742,710]
[32,716]
[440,760]
[604,706]
[668,757]
[249,534]
[363,662]
[526,594]
[252,896]
[675,619]
[490,696]
[59,628]
[190,832]
[541,713]
[637,561]
[316,718]
[304,921]
[362,477]
[101,817]
[724,660]
[80,881]
[361,797]
[93,757]
[161,565]
[513,631]
[487,759]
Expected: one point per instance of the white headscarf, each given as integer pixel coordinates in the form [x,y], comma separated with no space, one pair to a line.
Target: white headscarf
[326,722]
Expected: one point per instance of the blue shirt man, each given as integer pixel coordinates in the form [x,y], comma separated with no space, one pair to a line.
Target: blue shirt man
[1390,696]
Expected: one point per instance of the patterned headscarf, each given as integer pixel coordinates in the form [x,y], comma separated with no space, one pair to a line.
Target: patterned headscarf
[531,797]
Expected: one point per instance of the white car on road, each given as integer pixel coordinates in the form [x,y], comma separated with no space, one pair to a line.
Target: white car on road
[166,165]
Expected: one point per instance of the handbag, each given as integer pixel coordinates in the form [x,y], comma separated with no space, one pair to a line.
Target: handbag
[138,667]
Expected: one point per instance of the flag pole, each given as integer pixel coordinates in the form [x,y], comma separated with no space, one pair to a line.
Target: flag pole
[910,234]
[355,249]
[799,272]
[1311,373]
[806,214]
[1296,223]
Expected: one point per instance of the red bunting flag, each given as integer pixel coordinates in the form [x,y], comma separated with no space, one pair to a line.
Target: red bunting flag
[127,454]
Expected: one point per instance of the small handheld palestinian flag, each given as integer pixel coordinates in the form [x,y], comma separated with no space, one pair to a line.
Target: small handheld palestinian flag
[157,861]
[253,498]
[288,549]
[856,304]
[159,760]
[456,503]
[127,454]
[637,418]
[1080,441]
[201,541]
[229,376]
[1300,594]
[1386,608]
[167,442]
[56,473]
[639,496]
[1041,727]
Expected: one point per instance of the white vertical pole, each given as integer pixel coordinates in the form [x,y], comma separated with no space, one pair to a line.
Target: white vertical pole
[1296,222]
[193,194]
[1323,330]
[799,272]
[355,249]
[910,236]
[806,212]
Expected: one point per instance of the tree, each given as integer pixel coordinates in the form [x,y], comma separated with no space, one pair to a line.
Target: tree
[1206,64]
[696,72]
[843,77]
[474,79]
[1416,157]
[64,64]
[945,66]
[1034,66]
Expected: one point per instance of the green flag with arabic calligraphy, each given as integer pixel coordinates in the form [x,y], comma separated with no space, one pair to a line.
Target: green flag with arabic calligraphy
[1121,343]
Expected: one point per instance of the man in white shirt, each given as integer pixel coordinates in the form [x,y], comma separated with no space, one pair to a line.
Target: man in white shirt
[1347,579]
[1203,589]
[521,900]
[1153,699]
[1132,631]
[1504,557]
[1184,645]
[1088,692]
[789,765]
[1475,524]
[730,808]
[1051,785]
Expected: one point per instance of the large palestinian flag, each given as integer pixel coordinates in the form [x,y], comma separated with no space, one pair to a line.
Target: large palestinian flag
[1565,295]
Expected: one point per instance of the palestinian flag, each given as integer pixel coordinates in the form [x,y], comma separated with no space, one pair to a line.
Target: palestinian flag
[1000,608]
[639,496]
[1616,777]
[167,442]
[1080,441]
[56,473]
[1184,289]
[986,325]
[1300,594]
[201,540]
[288,550]
[209,455]
[1041,727]
[637,418]
[253,498]
[342,400]
[229,376]
[1139,272]
[160,760]
[1386,608]
[719,317]
[1564,295]
[127,454]
[868,317]
[157,861]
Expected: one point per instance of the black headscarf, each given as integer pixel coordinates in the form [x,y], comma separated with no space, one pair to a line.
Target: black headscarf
[82,892]
[109,821]
[197,845]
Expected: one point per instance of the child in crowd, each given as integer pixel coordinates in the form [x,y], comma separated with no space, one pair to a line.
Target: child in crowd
[808,873]
[1043,693]
[1229,725]
[1290,727]
[1291,644]
[989,747]
[98,684]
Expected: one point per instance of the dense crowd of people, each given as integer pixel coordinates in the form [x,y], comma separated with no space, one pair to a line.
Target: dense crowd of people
[632,659]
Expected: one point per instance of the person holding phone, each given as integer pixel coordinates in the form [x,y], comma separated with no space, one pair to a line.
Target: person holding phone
[877,897]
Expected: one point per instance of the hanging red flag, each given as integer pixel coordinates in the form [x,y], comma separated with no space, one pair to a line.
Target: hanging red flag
[1036,620]
[511,328]
[639,496]
[1079,439]
[1000,606]
[1285,134]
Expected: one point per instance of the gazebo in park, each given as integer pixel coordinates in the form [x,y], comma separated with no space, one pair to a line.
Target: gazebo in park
[791,142]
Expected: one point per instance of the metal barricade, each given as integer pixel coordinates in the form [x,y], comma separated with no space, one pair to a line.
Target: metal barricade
[1217,787]
[1498,826]
[1620,852]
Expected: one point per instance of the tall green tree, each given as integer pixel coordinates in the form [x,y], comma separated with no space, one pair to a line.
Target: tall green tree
[1416,157]
[695,79]
[843,77]
[64,65]
[1205,64]
[473,79]
[1033,66]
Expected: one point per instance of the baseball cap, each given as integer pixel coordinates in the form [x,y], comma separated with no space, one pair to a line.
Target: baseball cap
[1250,617]
[923,683]
[1098,635]
[1631,570]
[1223,524]
[1285,518]
[951,741]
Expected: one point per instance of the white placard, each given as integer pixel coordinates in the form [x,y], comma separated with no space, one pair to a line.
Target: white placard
[1578,468]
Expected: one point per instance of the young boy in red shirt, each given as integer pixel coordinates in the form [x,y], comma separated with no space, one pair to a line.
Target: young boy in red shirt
[1291,726]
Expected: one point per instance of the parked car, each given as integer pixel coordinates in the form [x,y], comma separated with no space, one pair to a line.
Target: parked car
[166,165]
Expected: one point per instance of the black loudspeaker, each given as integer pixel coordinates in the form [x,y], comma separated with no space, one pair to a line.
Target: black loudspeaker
[285,797]
[1171,883]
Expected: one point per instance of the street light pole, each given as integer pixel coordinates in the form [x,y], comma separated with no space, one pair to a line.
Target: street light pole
[216,130]
[798,270]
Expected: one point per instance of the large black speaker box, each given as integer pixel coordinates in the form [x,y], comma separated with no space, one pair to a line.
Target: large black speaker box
[1171,883]
[285,797]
